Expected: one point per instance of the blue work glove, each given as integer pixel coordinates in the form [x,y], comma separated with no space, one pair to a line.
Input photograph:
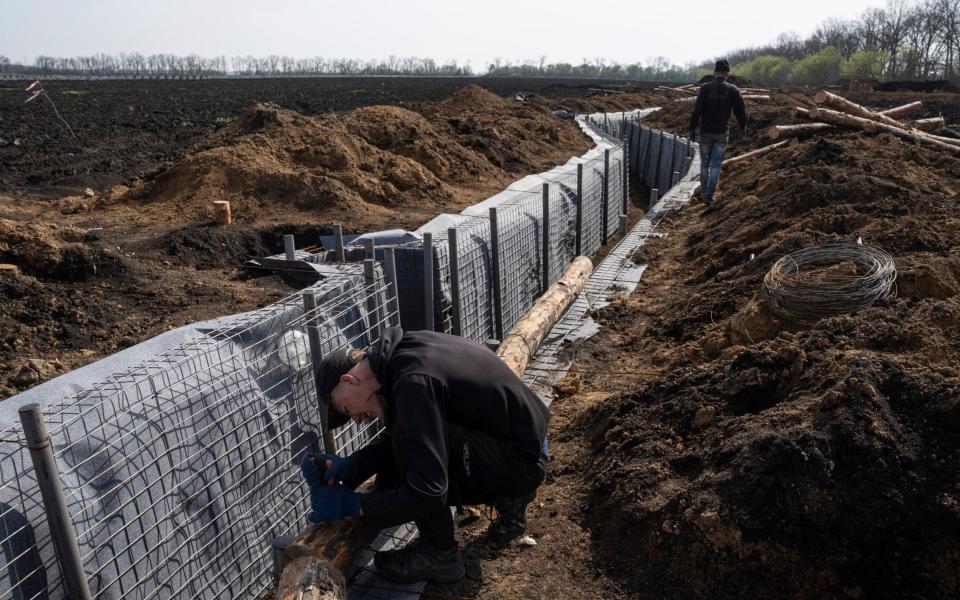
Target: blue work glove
[339,470]
[334,502]
[314,471]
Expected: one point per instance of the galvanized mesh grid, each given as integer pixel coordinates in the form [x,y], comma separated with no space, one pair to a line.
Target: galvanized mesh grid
[520,228]
[179,471]
[592,207]
[240,395]
[474,272]
[615,192]
[563,223]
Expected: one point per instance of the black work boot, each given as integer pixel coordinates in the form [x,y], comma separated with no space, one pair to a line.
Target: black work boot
[511,519]
[420,561]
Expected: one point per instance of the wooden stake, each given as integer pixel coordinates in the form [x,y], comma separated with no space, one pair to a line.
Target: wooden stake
[523,339]
[779,132]
[221,212]
[755,153]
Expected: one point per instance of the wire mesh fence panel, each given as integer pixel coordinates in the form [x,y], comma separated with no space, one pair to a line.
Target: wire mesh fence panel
[615,190]
[178,472]
[474,266]
[644,150]
[442,297]
[563,223]
[28,567]
[520,230]
[653,161]
[665,169]
[592,206]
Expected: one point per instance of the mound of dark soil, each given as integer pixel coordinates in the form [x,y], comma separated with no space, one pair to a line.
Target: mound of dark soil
[770,459]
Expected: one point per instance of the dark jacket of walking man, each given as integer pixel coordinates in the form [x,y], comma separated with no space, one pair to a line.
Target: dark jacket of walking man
[462,429]
[711,113]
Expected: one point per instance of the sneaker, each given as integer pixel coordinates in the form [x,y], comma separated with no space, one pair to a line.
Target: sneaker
[420,561]
[511,521]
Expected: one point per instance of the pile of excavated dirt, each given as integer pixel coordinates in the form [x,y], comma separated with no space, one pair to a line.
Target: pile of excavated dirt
[749,456]
[100,272]
[370,166]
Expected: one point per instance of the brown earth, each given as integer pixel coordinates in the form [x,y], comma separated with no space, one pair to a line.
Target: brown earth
[102,271]
[736,454]
[703,447]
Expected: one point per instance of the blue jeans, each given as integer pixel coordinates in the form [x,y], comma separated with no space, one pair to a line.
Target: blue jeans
[712,146]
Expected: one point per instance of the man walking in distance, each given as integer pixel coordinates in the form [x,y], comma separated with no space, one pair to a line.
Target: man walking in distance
[711,113]
[462,429]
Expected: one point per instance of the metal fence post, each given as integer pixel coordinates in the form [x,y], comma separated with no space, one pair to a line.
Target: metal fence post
[368,251]
[676,177]
[338,242]
[393,295]
[623,226]
[454,281]
[579,241]
[654,196]
[545,270]
[606,193]
[54,503]
[289,247]
[428,281]
[316,354]
[373,307]
[495,256]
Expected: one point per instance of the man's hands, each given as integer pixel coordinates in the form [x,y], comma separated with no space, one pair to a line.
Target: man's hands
[333,502]
[330,500]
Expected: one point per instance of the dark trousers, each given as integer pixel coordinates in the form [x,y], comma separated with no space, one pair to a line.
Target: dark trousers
[480,469]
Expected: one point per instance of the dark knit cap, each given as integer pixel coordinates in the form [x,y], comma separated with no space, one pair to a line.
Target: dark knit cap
[333,365]
[722,67]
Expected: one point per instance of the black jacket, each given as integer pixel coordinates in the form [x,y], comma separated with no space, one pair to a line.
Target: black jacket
[429,380]
[715,101]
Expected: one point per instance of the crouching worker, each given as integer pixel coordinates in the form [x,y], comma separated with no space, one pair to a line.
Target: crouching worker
[462,429]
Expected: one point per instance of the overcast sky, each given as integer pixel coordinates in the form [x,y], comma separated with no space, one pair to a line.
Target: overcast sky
[478,31]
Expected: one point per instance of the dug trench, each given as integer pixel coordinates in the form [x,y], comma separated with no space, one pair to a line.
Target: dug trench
[707,447]
[100,272]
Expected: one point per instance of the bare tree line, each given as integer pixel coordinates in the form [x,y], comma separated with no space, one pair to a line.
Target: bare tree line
[912,40]
[192,66]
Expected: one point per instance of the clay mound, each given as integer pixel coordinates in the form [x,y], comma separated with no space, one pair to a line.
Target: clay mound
[406,133]
[363,165]
[473,99]
[52,252]
[308,163]
[780,460]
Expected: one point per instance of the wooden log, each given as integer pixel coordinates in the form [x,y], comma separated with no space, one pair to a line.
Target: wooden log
[751,97]
[780,132]
[802,112]
[311,578]
[221,212]
[843,105]
[907,110]
[755,153]
[670,89]
[931,124]
[523,339]
[848,120]
[8,268]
